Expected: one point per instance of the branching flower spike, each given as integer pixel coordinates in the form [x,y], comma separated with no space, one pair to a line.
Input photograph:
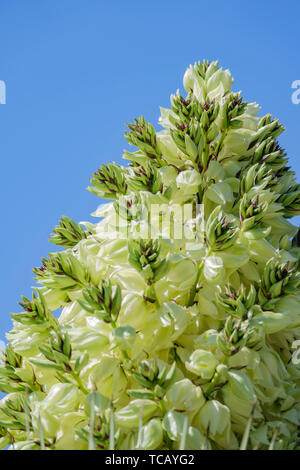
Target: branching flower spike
[173,322]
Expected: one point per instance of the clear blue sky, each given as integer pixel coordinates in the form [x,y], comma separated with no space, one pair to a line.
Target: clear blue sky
[77,71]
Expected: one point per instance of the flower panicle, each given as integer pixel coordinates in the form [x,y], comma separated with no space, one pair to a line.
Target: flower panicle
[171,342]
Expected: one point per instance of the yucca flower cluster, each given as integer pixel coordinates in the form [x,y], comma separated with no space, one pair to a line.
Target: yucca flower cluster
[177,335]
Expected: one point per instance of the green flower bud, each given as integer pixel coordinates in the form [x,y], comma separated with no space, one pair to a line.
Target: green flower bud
[36,312]
[144,256]
[269,152]
[257,176]
[142,134]
[278,279]
[237,302]
[15,375]
[102,301]
[15,413]
[67,233]
[235,335]
[147,372]
[251,212]
[61,271]
[145,178]
[155,375]
[220,233]
[108,182]
[291,201]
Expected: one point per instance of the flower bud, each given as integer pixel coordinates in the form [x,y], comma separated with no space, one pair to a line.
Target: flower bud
[202,363]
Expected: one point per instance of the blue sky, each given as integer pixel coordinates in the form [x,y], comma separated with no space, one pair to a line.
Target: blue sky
[77,71]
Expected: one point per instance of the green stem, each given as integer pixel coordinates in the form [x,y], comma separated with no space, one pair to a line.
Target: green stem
[194,287]
[79,382]
[162,407]
[220,142]
[151,296]
[212,384]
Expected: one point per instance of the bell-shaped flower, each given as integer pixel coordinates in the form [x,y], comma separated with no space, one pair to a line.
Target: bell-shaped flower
[202,363]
